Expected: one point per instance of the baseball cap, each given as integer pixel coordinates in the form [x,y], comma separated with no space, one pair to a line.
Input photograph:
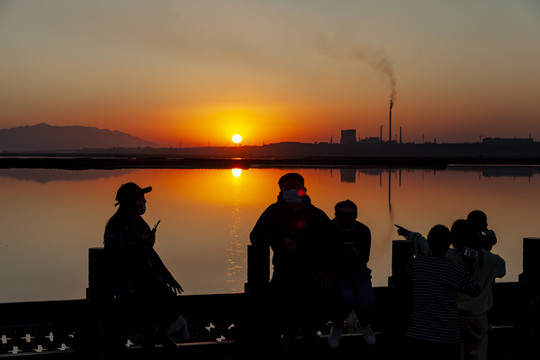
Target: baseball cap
[129,192]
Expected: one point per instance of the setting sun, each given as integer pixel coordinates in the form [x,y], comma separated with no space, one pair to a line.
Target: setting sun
[236,139]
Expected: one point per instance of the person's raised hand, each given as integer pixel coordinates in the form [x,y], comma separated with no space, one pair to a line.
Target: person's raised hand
[175,286]
[402,231]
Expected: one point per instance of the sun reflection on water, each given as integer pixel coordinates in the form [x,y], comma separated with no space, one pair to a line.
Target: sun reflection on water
[236,172]
[236,249]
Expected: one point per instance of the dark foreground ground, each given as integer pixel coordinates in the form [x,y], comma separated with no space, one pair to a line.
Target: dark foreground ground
[503,345]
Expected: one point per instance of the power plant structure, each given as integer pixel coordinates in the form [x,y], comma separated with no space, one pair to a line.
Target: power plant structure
[390,121]
[348,137]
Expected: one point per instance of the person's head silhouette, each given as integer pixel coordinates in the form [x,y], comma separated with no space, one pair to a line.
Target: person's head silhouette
[292,189]
[478,220]
[130,197]
[439,240]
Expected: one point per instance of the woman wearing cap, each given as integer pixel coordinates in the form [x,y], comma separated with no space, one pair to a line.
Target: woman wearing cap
[143,286]
[352,278]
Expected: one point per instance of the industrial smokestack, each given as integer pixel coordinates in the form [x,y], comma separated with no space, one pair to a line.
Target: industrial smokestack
[390,121]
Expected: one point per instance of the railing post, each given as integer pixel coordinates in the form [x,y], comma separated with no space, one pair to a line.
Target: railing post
[531,263]
[402,254]
[258,268]
[256,319]
[527,299]
[99,297]
[398,301]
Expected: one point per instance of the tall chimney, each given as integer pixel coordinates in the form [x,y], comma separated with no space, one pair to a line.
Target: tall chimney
[400,134]
[390,121]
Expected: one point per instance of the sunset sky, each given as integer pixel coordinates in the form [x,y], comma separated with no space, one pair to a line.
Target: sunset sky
[188,73]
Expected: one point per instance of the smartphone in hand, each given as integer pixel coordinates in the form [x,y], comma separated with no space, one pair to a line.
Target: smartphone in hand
[155,226]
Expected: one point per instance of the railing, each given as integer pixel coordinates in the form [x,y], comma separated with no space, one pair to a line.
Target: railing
[52,327]
[81,328]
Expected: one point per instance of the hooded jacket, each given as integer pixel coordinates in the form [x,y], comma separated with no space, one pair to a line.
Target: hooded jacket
[308,227]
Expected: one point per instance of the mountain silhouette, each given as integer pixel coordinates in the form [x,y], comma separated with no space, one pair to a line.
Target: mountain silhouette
[44,137]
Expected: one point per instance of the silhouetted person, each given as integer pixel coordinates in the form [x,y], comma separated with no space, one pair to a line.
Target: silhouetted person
[485,237]
[473,310]
[144,290]
[433,331]
[351,243]
[296,231]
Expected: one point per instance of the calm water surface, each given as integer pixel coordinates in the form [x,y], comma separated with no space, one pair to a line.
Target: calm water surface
[51,217]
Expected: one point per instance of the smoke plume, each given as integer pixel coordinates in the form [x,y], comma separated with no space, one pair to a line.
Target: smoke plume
[376,59]
[379,62]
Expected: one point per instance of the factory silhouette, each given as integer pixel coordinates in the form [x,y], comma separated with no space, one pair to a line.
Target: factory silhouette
[348,136]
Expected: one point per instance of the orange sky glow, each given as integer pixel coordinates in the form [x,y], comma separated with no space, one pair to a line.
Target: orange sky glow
[195,73]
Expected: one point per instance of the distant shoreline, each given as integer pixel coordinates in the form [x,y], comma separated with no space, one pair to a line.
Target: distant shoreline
[149,162]
[287,154]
